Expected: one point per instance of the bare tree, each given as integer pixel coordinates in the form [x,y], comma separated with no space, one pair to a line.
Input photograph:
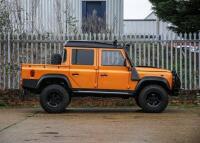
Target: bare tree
[34,7]
[58,16]
[18,15]
[5,23]
[15,16]
[71,21]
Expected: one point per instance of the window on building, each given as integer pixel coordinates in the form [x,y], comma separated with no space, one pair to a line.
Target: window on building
[112,58]
[93,16]
[82,57]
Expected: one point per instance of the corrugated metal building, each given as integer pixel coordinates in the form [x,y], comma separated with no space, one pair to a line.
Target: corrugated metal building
[63,16]
[150,25]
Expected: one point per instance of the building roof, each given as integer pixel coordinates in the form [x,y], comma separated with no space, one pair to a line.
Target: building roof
[89,44]
[152,15]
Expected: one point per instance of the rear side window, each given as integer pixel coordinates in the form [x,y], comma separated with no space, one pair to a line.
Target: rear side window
[64,55]
[112,58]
[82,57]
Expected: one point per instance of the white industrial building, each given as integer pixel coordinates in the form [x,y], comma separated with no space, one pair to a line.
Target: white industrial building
[64,16]
[150,25]
[68,16]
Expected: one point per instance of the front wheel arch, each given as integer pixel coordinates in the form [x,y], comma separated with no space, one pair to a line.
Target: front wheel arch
[152,81]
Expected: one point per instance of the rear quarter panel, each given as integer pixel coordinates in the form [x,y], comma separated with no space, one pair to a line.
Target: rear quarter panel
[41,70]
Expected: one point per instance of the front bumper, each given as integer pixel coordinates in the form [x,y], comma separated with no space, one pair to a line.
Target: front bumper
[176,84]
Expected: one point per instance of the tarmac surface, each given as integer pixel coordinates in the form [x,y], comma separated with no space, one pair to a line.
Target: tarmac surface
[100,125]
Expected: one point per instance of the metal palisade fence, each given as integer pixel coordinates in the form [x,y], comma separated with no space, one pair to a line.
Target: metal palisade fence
[180,52]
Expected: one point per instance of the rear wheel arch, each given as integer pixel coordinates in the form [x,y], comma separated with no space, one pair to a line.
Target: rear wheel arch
[53,79]
[152,81]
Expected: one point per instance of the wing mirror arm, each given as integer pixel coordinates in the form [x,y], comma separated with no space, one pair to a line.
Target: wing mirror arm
[127,65]
[130,68]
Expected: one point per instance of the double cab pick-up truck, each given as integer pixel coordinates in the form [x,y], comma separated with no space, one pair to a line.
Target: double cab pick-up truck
[98,69]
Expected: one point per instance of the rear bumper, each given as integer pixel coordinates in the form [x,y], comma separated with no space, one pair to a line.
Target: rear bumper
[176,84]
[30,85]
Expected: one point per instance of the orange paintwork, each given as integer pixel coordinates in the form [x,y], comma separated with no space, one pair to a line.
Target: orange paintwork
[118,77]
[90,77]
[86,77]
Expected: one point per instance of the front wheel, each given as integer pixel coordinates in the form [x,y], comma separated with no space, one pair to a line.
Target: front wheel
[153,99]
[54,99]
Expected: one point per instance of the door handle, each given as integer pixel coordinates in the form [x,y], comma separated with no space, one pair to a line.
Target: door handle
[103,75]
[75,74]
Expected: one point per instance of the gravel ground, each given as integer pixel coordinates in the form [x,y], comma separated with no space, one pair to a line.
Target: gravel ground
[124,125]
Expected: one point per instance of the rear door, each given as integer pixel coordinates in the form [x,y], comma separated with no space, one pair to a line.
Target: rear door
[113,73]
[83,68]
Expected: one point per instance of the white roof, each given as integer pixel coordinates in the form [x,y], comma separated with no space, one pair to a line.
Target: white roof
[152,15]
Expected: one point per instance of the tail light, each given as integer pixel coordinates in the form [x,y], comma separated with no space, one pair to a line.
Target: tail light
[32,73]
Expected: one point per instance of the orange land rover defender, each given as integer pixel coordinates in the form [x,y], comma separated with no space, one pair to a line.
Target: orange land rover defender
[98,69]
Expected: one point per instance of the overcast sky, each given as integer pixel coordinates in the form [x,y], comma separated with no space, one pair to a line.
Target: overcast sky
[136,9]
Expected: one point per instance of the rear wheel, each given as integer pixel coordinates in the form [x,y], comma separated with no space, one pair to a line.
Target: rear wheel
[54,99]
[153,99]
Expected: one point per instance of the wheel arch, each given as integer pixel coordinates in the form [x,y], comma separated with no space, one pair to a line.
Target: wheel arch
[153,81]
[53,79]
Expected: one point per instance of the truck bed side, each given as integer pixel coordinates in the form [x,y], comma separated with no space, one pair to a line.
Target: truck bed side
[36,71]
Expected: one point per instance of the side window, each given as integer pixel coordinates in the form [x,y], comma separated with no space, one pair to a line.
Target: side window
[64,55]
[112,58]
[82,57]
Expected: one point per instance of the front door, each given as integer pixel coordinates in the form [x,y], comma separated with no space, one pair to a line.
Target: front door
[113,73]
[83,68]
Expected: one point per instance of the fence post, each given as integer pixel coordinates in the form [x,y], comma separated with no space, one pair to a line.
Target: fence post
[162,50]
[9,72]
[180,59]
[0,63]
[194,63]
[199,58]
[189,62]
[18,62]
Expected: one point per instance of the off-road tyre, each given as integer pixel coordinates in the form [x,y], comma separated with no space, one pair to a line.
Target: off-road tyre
[54,99]
[56,59]
[153,99]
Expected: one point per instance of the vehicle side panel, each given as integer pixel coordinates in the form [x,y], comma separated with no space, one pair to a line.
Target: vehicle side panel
[41,70]
[113,77]
[83,76]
